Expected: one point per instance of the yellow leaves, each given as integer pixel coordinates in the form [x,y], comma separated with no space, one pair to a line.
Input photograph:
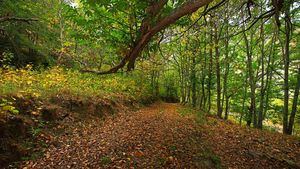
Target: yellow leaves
[28,82]
[35,94]
[297,31]
[293,43]
[197,14]
[68,44]
[7,108]
[277,102]
[194,16]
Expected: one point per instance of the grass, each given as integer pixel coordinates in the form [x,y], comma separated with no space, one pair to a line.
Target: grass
[56,80]
[211,157]
[188,110]
[105,160]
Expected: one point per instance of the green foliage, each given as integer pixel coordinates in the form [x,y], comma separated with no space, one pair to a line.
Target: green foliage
[186,111]
[169,87]
[58,80]
[7,106]
[6,59]
[105,160]
[209,155]
[29,41]
[190,111]
[35,130]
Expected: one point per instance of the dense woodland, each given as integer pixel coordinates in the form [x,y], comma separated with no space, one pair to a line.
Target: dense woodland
[238,60]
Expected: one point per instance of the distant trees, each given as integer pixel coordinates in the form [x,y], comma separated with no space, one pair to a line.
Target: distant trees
[238,65]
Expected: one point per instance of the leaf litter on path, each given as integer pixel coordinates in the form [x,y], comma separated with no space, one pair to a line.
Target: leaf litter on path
[159,136]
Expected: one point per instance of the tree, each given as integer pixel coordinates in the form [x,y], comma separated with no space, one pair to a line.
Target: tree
[148,30]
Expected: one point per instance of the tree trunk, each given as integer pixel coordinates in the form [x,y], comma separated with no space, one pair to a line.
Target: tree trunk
[148,30]
[210,71]
[269,74]
[203,96]
[244,100]
[227,107]
[252,108]
[218,74]
[262,89]
[286,70]
[295,103]
[227,65]
[193,81]
[203,104]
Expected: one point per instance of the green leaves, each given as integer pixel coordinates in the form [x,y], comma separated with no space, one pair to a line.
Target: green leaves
[7,106]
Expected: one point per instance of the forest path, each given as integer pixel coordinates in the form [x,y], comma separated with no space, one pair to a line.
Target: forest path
[158,136]
[166,135]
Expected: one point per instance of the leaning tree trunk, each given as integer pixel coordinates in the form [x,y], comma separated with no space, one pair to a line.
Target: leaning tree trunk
[151,25]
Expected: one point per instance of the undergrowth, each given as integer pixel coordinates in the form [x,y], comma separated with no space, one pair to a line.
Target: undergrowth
[56,80]
[188,110]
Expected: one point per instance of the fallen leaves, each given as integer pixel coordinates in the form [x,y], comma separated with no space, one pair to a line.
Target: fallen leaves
[159,137]
[242,147]
[144,139]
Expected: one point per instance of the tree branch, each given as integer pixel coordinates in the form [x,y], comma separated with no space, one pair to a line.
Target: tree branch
[189,7]
[16,19]
[148,32]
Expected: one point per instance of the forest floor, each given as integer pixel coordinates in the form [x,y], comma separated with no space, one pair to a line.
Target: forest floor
[167,135]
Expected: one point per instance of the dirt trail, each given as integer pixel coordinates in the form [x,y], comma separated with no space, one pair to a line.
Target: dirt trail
[165,136]
[153,137]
